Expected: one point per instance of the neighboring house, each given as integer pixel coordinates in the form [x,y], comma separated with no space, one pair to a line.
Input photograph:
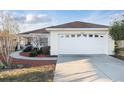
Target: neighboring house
[78,38]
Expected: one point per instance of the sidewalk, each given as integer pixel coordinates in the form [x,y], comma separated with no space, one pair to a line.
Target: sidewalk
[17,55]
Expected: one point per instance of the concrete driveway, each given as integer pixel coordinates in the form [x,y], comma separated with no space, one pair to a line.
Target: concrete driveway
[89,68]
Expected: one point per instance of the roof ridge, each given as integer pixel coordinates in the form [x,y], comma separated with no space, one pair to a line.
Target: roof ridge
[72,25]
[83,23]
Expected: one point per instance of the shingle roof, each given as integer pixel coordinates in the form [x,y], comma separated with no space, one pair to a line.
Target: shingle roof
[43,30]
[78,24]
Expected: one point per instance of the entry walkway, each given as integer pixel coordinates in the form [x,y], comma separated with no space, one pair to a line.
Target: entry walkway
[88,68]
[17,55]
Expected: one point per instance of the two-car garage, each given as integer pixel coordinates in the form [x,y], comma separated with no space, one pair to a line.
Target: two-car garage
[82,43]
[80,38]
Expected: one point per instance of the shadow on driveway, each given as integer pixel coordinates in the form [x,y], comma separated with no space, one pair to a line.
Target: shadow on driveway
[88,68]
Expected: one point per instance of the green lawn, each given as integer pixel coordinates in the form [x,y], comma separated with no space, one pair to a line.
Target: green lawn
[32,74]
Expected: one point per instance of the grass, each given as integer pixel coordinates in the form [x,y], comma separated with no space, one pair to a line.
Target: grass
[32,74]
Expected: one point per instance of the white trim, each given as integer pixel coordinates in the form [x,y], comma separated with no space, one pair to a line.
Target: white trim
[51,29]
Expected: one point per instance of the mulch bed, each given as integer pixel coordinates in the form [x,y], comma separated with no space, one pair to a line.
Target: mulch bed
[32,62]
[26,54]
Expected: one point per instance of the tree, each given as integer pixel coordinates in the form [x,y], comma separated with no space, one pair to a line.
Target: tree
[37,40]
[117,28]
[9,29]
[116,31]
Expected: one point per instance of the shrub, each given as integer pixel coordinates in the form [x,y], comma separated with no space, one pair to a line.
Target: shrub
[33,54]
[28,49]
[116,51]
[35,49]
[40,51]
[46,50]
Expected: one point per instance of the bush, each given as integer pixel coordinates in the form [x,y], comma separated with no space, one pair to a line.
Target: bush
[35,49]
[33,54]
[28,49]
[116,51]
[40,51]
[46,50]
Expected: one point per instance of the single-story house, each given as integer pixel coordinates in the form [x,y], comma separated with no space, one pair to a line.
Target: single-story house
[40,36]
[77,38]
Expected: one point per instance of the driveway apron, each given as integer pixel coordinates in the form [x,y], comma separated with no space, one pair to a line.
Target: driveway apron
[88,68]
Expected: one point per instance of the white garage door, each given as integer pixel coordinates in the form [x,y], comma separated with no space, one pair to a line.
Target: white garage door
[88,43]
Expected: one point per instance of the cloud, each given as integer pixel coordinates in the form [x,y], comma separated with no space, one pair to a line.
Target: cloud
[28,18]
[30,21]
[37,18]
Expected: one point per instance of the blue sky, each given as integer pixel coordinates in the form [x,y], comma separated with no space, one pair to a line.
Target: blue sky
[35,19]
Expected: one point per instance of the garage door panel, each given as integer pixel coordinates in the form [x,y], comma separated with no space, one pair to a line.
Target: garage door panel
[82,45]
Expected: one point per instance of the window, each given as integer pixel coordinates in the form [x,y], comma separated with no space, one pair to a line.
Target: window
[90,35]
[72,35]
[84,35]
[78,35]
[96,35]
[67,36]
